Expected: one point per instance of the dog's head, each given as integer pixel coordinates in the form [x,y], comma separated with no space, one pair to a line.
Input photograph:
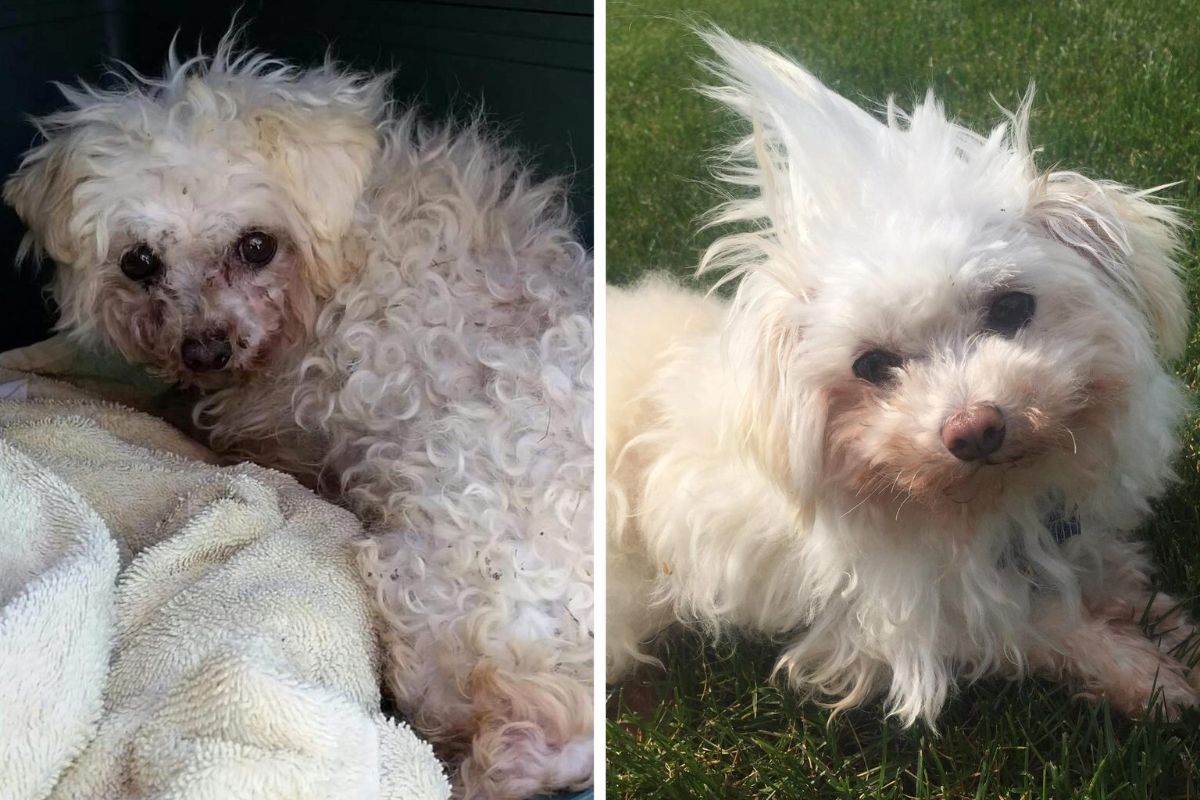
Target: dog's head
[920,315]
[198,219]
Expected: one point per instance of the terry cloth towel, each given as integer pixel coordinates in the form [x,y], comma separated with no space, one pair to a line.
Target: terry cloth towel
[173,629]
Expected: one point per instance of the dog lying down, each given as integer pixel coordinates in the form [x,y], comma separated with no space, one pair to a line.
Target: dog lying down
[395,312]
[915,444]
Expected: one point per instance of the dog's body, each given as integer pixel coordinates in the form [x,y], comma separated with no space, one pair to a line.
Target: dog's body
[915,444]
[397,314]
[447,391]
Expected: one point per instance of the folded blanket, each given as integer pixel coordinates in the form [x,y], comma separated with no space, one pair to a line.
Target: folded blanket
[172,629]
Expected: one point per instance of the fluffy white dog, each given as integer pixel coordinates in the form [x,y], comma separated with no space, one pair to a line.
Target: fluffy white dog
[396,312]
[914,445]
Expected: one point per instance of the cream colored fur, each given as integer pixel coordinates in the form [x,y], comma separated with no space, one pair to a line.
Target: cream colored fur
[419,347]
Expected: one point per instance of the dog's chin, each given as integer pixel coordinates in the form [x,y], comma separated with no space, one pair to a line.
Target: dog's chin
[213,381]
[936,489]
[178,374]
[952,492]
[983,485]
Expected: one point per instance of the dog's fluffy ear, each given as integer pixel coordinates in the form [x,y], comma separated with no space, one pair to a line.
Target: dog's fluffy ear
[322,157]
[782,419]
[803,139]
[805,135]
[1135,244]
[42,190]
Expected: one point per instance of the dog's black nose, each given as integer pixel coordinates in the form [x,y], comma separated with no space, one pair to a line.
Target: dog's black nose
[207,352]
[974,433]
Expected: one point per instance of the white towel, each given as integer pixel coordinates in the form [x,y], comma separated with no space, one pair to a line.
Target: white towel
[172,629]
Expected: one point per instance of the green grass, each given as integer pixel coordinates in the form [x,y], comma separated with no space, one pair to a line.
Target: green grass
[1118,97]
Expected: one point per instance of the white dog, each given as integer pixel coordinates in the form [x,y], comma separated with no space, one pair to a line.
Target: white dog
[914,445]
[396,312]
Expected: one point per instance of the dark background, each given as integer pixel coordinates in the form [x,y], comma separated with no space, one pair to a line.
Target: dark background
[528,61]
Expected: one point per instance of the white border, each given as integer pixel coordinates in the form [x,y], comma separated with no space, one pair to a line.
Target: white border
[599,328]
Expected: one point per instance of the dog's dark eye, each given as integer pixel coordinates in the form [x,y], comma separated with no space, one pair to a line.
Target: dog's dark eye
[877,367]
[256,248]
[1010,312]
[140,263]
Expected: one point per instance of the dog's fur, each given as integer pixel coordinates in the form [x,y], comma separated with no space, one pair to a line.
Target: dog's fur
[754,481]
[419,347]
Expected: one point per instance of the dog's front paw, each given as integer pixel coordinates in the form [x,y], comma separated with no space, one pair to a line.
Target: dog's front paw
[532,734]
[1107,654]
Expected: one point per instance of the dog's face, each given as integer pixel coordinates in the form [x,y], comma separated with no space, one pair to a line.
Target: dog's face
[201,277]
[959,370]
[198,220]
[922,320]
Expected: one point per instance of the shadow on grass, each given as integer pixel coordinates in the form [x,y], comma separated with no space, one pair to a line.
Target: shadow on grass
[710,726]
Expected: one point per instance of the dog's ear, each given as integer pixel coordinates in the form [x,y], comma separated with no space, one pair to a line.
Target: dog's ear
[805,136]
[321,156]
[1134,243]
[773,91]
[781,417]
[42,191]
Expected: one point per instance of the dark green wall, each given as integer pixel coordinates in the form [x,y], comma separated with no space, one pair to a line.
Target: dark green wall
[39,42]
[528,61]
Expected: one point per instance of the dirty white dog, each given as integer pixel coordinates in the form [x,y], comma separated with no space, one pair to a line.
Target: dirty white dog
[915,444]
[396,312]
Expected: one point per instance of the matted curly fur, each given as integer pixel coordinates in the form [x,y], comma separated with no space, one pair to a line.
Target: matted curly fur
[396,312]
[938,365]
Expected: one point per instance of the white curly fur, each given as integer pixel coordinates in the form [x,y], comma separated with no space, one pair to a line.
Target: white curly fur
[754,481]
[420,347]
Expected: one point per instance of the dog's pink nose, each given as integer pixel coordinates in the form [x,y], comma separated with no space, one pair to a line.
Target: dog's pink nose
[974,433]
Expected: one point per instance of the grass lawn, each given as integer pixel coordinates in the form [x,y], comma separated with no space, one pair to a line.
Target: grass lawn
[1118,97]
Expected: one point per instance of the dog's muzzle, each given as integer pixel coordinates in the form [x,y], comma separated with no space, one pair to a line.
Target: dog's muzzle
[207,352]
